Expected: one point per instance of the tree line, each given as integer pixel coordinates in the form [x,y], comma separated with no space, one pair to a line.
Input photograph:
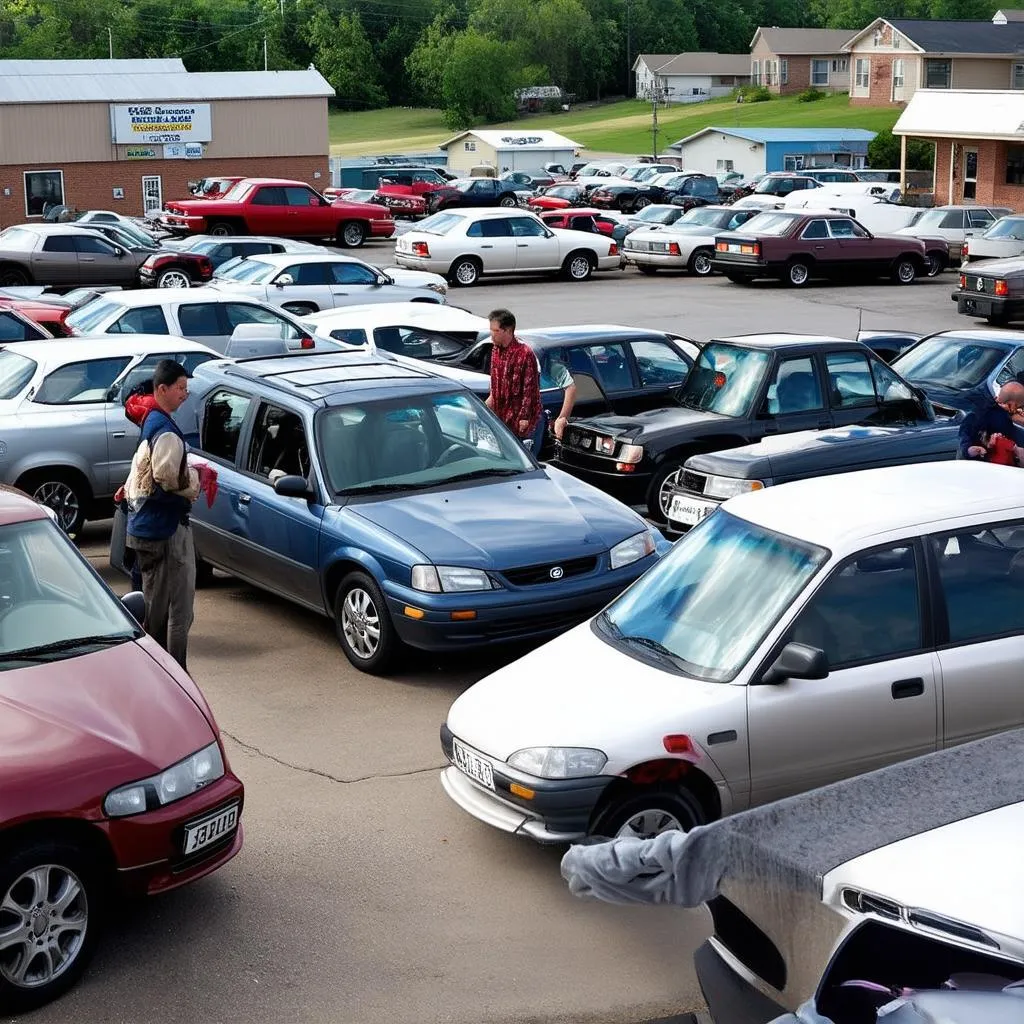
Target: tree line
[465,56]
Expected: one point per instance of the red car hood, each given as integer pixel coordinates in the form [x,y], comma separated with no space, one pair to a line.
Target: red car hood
[71,730]
[549,203]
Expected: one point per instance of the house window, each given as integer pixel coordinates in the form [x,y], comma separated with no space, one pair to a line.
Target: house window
[784,73]
[897,74]
[723,165]
[863,73]
[896,37]
[840,64]
[43,189]
[755,72]
[1018,76]
[938,74]
[1015,165]
[469,147]
[819,72]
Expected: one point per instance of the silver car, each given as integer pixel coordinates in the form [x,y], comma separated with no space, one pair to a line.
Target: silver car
[1003,239]
[64,436]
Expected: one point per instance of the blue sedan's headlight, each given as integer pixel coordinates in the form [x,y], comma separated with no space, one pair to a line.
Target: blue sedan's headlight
[640,545]
[450,579]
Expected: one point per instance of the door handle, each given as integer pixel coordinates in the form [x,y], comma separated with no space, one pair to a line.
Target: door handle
[117,433]
[86,259]
[523,245]
[819,247]
[907,688]
[486,246]
[244,499]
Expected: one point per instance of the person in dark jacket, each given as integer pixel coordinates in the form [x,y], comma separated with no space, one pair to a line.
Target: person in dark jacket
[995,418]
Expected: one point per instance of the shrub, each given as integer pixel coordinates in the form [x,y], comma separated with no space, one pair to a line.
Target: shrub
[752,94]
[810,96]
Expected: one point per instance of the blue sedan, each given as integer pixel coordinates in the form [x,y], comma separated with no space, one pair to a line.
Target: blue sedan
[394,501]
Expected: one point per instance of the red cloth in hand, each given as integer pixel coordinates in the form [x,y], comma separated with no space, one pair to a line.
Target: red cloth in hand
[1002,451]
[207,482]
[137,407]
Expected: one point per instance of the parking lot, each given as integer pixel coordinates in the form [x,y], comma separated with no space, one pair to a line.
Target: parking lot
[363,894]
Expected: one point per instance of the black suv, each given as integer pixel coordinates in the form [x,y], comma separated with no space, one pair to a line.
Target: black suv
[685,190]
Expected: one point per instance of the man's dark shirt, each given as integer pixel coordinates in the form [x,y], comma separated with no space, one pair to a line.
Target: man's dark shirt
[989,419]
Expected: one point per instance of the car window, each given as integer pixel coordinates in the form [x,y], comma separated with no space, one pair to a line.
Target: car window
[610,363]
[349,335]
[526,227]
[844,229]
[269,195]
[888,386]
[81,383]
[83,243]
[200,320]
[223,416]
[497,228]
[416,343]
[306,273]
[867,610]
[850,381]
[59,243]
[242,313]
[659,363]
[953,219]
[738,218]
[979,218]
[144,370]
[795,388]
[816,229]
[295,196]
[554,369]
[14,329]
[1013,369]
[350,273]
[981,573]
[583,224]
[251,248]
[141,320]
[15,372]
[278,446]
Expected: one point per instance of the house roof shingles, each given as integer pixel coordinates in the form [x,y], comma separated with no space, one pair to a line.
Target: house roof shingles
[962,36]
[785,41]
[698,63]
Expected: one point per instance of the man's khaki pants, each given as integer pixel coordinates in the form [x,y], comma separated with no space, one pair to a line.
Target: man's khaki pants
[169,582]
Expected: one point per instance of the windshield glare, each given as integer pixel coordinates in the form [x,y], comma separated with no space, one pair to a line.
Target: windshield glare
[770,223]
[713,599]
[1008,227]
[440,223]
[236,192]
[954,361]
[725,379]
[411,443]
[703,215]
[92,314]
[15,372]
[251,271]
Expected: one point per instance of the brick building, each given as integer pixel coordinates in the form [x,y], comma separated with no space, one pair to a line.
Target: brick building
[127,135]
[979,143]
[790,60]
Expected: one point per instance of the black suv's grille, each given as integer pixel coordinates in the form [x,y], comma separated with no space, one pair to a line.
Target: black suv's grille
[552,572]
[580,438]
[694,481]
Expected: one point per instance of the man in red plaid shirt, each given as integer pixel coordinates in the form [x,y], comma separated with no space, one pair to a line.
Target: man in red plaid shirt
[515,382]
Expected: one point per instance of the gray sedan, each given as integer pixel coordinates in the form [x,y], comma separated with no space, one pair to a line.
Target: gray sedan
[63,254]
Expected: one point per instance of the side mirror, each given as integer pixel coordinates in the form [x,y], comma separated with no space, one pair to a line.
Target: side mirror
[383,279]
[796,661]
[135,603]
[293,487]
[283,280]
[120,253]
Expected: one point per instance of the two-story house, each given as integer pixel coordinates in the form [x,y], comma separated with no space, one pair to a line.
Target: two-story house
[689,77]
[790,60]
[892,58]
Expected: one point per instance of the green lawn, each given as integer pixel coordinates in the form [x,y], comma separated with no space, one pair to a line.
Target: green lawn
[623,127]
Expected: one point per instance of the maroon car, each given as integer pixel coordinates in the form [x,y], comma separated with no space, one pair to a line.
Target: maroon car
[798,246]
[113,779]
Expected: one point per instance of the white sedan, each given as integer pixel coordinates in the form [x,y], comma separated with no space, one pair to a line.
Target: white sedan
[306,283]
[465,244]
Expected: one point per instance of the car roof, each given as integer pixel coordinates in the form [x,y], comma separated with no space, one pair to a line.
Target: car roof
[284,259]
[133,297]
[1006,340]
[71,350]
[274,181]
[381,314]
[549,337]
[849,508]
[59,229]
[783,340]
[18,508]
[300,246]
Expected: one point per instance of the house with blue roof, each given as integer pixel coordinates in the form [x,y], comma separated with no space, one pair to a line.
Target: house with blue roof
[751,151]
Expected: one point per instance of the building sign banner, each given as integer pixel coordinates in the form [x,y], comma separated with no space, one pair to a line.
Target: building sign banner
[140,153]
[160,123]
[183,151]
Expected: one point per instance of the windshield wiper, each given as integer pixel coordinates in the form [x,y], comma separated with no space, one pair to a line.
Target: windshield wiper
[382,488]
[58,646]
[478,473]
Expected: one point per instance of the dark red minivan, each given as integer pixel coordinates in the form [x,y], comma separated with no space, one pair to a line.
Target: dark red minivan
[113,779]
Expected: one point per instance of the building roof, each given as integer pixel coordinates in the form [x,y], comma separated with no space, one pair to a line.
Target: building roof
[981,37]
[506,139]
[785,41]
[696,63]
[1003,16]
[765,135]
[964,114]
[54,84]
[149,66]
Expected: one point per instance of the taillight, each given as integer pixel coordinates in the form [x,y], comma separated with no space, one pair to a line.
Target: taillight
[306,342]
[673,248]
[753,249]
[205,267]
[420,249]
[963,281]
[1001,288]
[963,251]
[613,249]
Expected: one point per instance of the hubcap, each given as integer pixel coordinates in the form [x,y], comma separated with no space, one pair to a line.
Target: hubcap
[798,273]
[360,623]
[43,919]
[580,268]
[220,229]
[667,487]
[11,277]
[353,234]
[642,202]
[648,824]
[702,264]
[507,201]
[175,279]
[62,499]
[465,273]
[906,272]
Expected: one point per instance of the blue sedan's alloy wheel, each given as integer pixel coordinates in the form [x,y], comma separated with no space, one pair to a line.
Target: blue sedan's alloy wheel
[364,626]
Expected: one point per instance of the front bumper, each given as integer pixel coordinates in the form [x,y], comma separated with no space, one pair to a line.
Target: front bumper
[179,225]
[629,488]
[731,999]
[559,812]
[981,305]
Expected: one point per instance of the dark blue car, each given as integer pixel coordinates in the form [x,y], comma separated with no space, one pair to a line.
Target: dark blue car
[394,501]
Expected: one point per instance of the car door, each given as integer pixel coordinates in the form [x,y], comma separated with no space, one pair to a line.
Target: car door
[879,702]
[235,313]
[203,322]
[793,399]
[660,370]
[280,536]
[851,388]
[492,240]
[607,364]
[857,249]
[309,288]
[980,579]
[267,213]
[537,247]
[819,244]
[55,260]
[102,262]
[350,283]
[308,216]
[481,193]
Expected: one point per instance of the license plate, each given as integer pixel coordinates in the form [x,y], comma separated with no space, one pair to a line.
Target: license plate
[690,511]
[473,765]
[209,830]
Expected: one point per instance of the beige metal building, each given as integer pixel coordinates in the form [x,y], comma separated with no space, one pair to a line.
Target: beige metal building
[127,135]
[509,150]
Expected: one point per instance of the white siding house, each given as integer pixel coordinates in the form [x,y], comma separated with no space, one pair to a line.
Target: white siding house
[690,77]
[511,149]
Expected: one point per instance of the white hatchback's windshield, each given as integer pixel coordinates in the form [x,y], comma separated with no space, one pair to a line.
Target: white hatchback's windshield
[93,314]
[250,271]
[725,379]
[707,606]
[52,605]
[953,361]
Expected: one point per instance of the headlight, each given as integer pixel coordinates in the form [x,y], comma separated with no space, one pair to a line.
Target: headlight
[632,549]
[559,762]
[630,454]
[178,781]
[728,487]
[438,286]
[450,579]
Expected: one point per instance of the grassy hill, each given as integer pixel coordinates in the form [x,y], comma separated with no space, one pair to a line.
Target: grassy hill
[623,127]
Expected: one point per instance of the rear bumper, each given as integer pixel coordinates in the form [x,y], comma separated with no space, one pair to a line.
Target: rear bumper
[731,999]
[629,488]
[670,261]
[982,305]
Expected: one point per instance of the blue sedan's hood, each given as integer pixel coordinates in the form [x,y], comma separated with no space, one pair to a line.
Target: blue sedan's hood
[505,523]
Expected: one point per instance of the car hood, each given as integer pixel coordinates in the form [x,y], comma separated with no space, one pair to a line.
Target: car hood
[966,399]
[414,278]
[617,704]
[115,715]
[501,524]
[653,423]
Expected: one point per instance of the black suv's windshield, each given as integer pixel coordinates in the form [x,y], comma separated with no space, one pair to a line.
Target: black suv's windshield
[725,379]
[951,361]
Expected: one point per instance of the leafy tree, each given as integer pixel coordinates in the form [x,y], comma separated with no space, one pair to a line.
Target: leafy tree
[343,55]
[884,151]
[479,80]
[426,63]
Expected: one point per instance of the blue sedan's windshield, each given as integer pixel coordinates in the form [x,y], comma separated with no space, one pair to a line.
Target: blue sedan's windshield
[416,442]
[708,604]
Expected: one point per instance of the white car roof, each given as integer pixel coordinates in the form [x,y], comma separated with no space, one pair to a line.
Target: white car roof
[395,314]
[72,350]
[133,297]
[850,508]
[284,259]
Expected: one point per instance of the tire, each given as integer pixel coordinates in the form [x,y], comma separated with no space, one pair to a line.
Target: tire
[63,491]
[662,481]
[997,321]
[173,277]
[797,274]
[936,264]
[578,266]
[300,308]
[645,268]
[47,872]
[13,277]
[737,279]
[359,612]
[204,573]
[352,234]
[701,262]
[904,270]
[649,812]
[507,200]
[465,271]
[640,203]
[224,227]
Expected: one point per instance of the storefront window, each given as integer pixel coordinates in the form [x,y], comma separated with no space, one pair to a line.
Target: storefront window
[1015,165]
[43,189]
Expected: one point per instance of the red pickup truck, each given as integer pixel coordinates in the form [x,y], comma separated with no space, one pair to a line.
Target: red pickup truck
[272,206]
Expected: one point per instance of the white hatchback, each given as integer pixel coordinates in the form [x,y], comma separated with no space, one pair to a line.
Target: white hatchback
[801,634]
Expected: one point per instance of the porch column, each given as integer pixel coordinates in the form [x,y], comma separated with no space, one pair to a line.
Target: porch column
[903,166]
[952,166]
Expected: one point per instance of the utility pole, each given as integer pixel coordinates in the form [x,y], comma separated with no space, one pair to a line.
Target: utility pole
[264,53]
[629,50]
[110,39]
[654,119]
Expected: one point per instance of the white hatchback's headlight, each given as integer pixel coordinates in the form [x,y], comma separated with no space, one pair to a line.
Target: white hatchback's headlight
[632,549]
[438,286]
[180,780]
[728,486]
[559,762]
[450,579]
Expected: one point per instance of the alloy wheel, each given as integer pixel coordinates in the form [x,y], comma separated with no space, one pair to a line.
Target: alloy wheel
[61,497]
[360,623]
[702,264]
[353,235]
[668,486]
[798,273]
[466,273]
[174,279]
[579,268]
[906,272]
[649,823]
